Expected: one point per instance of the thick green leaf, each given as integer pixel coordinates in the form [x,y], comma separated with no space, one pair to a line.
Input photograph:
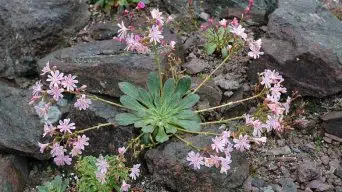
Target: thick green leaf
[145,98]
[129,89]
[161,135]
[187,114]
[183,85]
[169,88]
[210,48]
[170,129]
[125,118]
[131,103]
[147,129]
[188,101]
[189,125]
[224,52]
[153,84]
[220,33]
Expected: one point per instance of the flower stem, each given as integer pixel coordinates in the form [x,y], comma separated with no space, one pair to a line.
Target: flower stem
[211,74]
[222,121]
[92,128]
[157,60]
[196,132]
[188,143]
[230,103]
[93,97]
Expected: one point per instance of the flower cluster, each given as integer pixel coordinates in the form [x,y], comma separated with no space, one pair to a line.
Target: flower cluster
[63,134]
[219,37]
[102,168]
[241,141]
[220,157]
[58,83]
[142,42]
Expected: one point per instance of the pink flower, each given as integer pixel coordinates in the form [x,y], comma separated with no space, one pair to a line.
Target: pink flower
[56,92]
[235,22]
[102,164]
[228,149]
[286,105]
[46,69]
[225,164]
[213,160]
[34,99]
[270,77]
[101,177]
[169,19]
[156,14]
[141,5]
[276,108]
[62,160]
[257,128]
[239,31]
[122,150]
[133,44]
[55,78]
[43,146]
[195,159]
[172,44]
[57,150]
[64,126]
[48,129]
[255,47]
[78,145]
[69,82]
[42,110]
[225,136]
[223,23]
[218,144]
[123,30]
[242,143]
[248,119]
[125,186]
[82,103]
[155,35]
[272,123]
[135,171]
[37,89]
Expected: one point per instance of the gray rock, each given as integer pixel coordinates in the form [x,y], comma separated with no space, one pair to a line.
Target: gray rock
[332,123]
[195,65]
[227,84]
[325,159]
[21,128]
[258,182]
[224,8]
[167,163]
[319,185]
[307,171]
[102,31]
[288,185]
[13,173]
[31,29]
[208,92]
[281,151]
[304,45]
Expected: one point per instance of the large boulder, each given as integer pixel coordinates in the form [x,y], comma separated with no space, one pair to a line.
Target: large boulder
[20,127]
[169,167]
[224,8]
[102,65]
[304,44]
[31,29]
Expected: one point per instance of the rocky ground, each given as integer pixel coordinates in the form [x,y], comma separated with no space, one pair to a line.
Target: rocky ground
[301,39]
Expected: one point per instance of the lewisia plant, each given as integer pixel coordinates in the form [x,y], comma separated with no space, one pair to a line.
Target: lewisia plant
[166,108]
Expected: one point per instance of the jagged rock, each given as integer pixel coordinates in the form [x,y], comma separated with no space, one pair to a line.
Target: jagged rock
[168,165]
[304,44]
[319,185]
[224,8]
[31,29]
[21,128]
[208,92]
[13,173]
[308,171]
[195,65]
[332,123]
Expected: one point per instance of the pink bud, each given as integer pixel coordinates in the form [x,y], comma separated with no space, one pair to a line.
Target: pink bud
[141,5]
[235,22]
